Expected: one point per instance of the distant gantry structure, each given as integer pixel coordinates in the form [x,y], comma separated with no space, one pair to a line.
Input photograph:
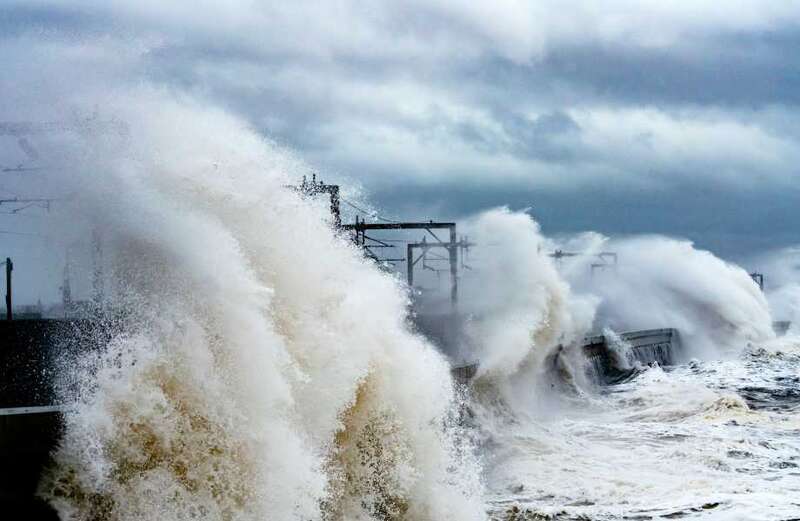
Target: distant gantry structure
[605,259]
[360,229]
[758,278]
[318,187]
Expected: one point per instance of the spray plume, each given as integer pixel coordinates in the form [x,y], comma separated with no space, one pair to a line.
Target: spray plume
[662,282]
[263,368]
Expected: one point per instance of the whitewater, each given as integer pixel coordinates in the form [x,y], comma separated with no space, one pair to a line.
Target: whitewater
[705,440]
[259,369]
[255,365]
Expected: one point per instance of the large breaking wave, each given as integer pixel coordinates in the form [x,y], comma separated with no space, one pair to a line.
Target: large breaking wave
[262,368]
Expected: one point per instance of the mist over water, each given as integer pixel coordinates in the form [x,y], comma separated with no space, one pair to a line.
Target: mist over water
[522,307]
[782,283]
[658,282]
[714,438]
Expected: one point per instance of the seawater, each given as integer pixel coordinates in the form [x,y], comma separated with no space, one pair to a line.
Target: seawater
[703,440]
[261,368]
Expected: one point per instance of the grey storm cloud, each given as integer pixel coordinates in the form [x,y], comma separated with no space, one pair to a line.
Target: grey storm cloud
[463,105]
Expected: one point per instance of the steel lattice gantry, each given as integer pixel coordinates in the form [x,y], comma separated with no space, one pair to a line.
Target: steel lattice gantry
[360,228]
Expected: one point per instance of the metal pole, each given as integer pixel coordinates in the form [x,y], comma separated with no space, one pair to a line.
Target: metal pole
[9,268]
[97,275]
[453,250]
[66,288]
[410,265]
[337,216]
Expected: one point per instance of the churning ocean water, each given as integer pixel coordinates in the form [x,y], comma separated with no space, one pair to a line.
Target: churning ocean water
[703,440]
[265,369]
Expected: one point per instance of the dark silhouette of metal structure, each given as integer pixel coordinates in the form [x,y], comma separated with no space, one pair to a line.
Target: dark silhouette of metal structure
[9,269]
[360,237]
[98,278]
[66,287]
[26,202]
[359,232]
[607,259]
[452,247]
[758,278]
[560,254]
[318,187]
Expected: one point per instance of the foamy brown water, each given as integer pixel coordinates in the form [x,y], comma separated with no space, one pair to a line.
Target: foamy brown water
[263,368]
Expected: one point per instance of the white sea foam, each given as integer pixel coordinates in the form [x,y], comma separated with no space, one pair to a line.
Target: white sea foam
[660,282]
[522,307]
[259,367]
[264,368]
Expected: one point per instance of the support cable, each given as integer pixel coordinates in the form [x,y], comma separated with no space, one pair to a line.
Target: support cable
[6,232]
[373,214]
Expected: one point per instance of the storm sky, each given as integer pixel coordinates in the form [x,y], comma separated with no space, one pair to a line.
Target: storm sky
[623,117]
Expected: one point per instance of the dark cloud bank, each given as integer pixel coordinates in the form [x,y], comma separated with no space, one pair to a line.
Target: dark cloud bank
[679,119]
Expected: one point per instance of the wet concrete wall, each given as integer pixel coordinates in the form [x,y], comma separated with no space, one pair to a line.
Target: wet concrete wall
[646,347]
[27,436]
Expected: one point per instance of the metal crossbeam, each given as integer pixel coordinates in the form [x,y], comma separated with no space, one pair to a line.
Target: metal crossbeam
[361,226]
[318,187]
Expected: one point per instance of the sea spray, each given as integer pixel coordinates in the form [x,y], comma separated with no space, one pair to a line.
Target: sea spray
[781,285]
[619,350]
[522,308]
[267,370]
[526,325]
[662,282]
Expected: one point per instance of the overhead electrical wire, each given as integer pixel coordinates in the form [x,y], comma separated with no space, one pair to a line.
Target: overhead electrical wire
[372,214]
[21,233]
